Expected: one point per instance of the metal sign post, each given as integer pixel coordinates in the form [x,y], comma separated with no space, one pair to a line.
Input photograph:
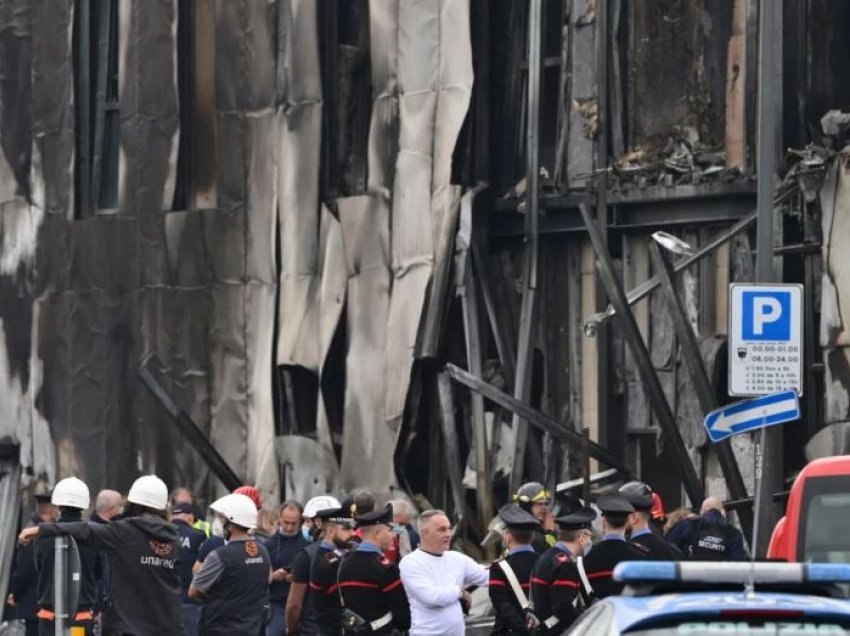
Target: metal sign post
[60,566]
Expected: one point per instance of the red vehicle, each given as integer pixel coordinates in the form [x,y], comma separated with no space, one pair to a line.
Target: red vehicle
[816,525]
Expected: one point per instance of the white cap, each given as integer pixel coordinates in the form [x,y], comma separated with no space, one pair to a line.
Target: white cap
[149,491]
[72,493]
[322,502]
[237,509]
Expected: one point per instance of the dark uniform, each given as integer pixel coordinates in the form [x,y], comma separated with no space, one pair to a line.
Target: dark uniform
[190,543]
[600,562]
[235,584]
[90,571]
[23,587]
[323,588]
[554,580]
[709,538]
[510,604]
[370,584]
[143,555]
[323,575]
[656,548]
[307,625]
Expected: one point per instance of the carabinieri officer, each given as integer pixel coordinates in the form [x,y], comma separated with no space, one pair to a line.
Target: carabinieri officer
[373,597]
[553,582]
[510,576]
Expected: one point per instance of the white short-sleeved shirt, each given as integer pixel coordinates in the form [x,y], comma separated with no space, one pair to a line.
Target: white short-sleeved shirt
[434,585]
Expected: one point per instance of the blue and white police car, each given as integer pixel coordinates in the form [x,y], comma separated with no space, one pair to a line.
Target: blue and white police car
[690,598]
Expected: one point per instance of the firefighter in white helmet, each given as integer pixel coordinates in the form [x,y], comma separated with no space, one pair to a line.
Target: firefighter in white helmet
[233,583]
[142,549]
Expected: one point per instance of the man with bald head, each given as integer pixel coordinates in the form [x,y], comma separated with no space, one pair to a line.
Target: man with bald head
[709,537]
[107,506]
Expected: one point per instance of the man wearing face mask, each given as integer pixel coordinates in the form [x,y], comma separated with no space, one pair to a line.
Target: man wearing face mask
[299,607]
[339,529]
[640,496]
[283,546]
[233,582]
[553,587]
[216,539]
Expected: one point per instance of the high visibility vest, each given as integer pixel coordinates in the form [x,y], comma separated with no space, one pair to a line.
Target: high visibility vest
[203,526]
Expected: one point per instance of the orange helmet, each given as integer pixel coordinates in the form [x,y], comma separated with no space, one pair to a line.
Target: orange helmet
[252,493]
[657,506]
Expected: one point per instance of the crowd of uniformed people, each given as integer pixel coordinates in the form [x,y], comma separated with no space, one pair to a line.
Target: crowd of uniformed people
[151,564]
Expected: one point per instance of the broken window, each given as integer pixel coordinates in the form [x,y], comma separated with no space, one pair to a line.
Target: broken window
[96,101]
[196,188]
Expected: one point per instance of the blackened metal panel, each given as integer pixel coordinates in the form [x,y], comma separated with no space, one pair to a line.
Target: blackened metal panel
[367,442]
[300,146]
[435,83]
[52,183]
[15,87]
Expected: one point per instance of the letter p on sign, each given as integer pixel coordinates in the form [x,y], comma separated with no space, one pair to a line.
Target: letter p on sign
[769,314]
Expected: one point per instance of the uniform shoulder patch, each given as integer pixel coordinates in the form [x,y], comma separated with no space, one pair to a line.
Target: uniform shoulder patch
[562,557]
[385,562]
[251,548]
[331,557]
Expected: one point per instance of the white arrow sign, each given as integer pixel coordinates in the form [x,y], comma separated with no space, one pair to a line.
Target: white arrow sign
[753,414]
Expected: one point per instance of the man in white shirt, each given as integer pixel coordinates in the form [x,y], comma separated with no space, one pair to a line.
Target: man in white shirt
[435,579]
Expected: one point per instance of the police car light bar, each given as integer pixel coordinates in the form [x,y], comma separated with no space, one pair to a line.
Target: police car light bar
[731,572]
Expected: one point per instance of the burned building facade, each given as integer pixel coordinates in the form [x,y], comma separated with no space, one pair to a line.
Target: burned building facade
[350,238]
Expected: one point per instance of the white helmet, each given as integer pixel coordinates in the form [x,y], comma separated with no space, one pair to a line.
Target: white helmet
[322,502]
[237,509]
[71,492]
[149,491]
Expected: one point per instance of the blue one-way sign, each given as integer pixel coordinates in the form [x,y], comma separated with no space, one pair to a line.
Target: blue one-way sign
[749,415]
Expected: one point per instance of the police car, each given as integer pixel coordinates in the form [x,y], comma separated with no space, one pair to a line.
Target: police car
[690,598]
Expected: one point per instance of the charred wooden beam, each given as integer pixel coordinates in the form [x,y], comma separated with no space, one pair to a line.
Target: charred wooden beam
[702,385]
[560,430]
[528,310]
[634,340]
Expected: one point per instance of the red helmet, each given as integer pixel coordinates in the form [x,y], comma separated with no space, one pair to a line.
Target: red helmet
[657,506]
[252,493]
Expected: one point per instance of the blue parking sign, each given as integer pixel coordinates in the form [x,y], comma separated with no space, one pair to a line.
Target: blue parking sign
[765,339]
[767,315]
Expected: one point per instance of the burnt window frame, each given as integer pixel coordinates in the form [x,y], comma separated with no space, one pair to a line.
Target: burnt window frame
[195,185]
[97,139]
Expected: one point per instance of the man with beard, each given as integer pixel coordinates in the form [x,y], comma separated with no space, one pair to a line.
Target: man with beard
[657,549]
[283,547]
[299,608]
[339,529]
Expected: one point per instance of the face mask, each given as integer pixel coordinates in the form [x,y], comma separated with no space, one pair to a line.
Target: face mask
[217,527]
[398,529]
[588,547]
[305,532]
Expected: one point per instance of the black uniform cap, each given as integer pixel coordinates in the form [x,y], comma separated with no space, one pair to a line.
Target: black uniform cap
[383,516]
[515,518]
[577,520]
[614,504]
[44,497]
[336,515]
[638,494]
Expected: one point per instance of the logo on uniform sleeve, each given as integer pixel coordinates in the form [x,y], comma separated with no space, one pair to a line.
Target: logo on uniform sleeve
[251,548]
[562,557]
